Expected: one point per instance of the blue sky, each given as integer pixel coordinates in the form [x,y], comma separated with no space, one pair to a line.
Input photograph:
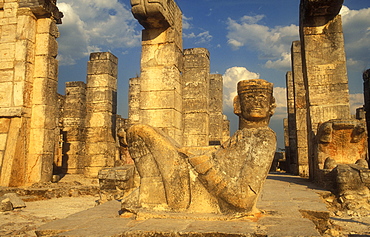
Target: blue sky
[246,39]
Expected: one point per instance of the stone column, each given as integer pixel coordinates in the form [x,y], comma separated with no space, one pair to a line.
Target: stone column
[324,65]
[292,136]
[101,101]
[160,80]
[215,109]
[74,116]
[28,90]
[225,129]
[366,78]
[300,111]
[196,100]
[134,100]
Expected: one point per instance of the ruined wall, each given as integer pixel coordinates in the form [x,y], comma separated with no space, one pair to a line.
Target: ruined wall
[324,65]
[28,90]
[101,103]
[160,79]
[74,116]
[215,109]
[300,110]
[196,97]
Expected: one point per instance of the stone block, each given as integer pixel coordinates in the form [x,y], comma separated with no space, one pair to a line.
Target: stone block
[8,33]
[6,89]
[100,148]
[44,25]
[7,52]
[46,67]
[4,125]
[99,134]
[46,44]
[6,64]
[20,93]
[103,56]
[160,55]
[24,51]
[23,71]
[6,76]
[10,9]
[101,67]
[44,91]
[162,118]
[26,26]
[159,100]
[42,141]
[99,119]
[43,116]
[3,138]
[160,79]
[196,123]
[200,104]
[102,81]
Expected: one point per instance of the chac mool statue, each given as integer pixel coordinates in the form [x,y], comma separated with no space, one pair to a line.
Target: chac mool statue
[227,180]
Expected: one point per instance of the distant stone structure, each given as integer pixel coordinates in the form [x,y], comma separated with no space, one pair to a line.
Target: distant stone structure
[219,180]
[73,128]
[28,91]
[196,97]
[300,112]
[216,118]
[292,127]
[101,103]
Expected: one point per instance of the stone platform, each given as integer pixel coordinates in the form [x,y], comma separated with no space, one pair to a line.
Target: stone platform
[289,203]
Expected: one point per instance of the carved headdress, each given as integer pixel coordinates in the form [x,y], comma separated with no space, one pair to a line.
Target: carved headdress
[246,86]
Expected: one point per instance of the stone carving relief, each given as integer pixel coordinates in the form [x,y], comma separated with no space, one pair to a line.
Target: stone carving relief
[226,180]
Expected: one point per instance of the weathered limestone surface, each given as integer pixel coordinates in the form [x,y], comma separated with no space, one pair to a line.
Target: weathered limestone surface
[74,117]
[101,100]
[160,79]
[205,180]
[134,100]
[344,141]
[215,109]
[292,136]
[324,64]
[300,111]
[28,72]
[196,97]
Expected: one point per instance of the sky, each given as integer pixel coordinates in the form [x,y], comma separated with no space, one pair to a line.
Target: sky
[247,39]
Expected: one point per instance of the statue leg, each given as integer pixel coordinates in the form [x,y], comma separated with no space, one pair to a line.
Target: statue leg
[163,171]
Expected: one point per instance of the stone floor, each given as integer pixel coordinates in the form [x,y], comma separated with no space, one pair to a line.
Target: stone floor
[291,205]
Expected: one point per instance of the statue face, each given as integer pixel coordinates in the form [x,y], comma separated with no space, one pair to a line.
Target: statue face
[255,105]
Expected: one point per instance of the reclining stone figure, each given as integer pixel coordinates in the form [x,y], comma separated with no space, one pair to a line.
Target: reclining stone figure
[226,180]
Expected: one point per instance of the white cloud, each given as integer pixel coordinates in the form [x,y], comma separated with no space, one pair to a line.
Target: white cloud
[274,44]
[231,78]
[357,37]
[196,35]
[355,101]
[281,103]
[94,25]
[271,43]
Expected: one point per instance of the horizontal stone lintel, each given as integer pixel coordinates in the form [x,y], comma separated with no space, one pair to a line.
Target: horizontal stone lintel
[43,8]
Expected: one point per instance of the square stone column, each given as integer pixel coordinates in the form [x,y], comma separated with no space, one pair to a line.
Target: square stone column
[215,109]
[28,94]
[300,111]
[196,97]
[101,102]
[324,65]
[292,136]
[161,65]
[74,116]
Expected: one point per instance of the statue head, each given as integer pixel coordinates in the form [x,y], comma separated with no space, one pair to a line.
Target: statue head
[255,103]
